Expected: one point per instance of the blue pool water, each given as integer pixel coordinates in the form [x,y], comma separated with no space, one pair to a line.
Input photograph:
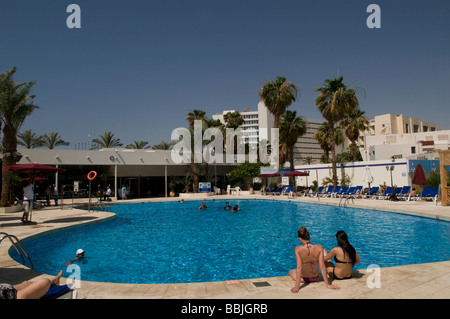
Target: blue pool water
[173,242]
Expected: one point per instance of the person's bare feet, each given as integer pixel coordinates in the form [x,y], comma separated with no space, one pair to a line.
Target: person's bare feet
[55,280]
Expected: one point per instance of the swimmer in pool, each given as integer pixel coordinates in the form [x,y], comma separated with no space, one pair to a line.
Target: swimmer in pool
[309,258]
[227,206]
[345,256]
[235,208]
[80,257]
[203,206]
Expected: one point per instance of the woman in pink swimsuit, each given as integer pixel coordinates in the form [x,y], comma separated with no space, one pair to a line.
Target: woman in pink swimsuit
[309,258]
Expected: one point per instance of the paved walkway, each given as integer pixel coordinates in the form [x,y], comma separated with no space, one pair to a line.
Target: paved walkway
[413,281]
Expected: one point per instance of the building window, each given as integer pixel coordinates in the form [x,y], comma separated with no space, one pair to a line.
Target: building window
[413,150]
[416,128]
[406,128]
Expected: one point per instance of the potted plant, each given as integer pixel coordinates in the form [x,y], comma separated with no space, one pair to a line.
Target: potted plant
[172,189]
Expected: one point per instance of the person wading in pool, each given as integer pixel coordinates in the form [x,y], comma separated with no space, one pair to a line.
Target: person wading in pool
[345,256]
[309,257]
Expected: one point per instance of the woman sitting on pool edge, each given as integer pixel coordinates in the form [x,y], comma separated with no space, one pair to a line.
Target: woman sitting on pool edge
[308,257]
[345,256]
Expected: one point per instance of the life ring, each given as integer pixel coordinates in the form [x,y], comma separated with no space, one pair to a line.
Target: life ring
[91,175]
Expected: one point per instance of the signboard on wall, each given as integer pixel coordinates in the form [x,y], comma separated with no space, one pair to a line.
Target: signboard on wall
[204,187]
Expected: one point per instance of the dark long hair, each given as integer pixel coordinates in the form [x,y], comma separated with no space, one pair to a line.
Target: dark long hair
[342,240]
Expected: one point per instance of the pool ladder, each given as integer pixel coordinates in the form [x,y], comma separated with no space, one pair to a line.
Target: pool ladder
[17,244]
[346,201]
[97,205]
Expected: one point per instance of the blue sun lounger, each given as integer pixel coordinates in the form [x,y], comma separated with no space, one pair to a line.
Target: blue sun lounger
[60,292]
[430,193]
[386,193]
[342,191]
[349,191]
[316,193]
[373,191]
[328,191]
[404,192]
[335,191]
[355,192]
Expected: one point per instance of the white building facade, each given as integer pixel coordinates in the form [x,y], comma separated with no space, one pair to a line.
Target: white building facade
[410,146]
[257,124]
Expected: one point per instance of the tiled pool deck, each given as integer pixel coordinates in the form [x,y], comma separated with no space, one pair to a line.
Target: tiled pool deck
[420,281]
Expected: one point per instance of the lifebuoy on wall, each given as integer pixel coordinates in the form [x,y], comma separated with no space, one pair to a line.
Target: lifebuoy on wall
[91,175]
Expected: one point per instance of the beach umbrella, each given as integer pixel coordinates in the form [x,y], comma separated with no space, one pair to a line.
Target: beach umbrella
[33,168]
[268,175]
[296,173]
[419,176]
[367,176]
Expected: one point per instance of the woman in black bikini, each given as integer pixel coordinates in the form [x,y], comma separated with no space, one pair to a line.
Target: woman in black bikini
[345,256]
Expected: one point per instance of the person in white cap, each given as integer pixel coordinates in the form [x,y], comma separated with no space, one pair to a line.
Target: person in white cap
[80,256]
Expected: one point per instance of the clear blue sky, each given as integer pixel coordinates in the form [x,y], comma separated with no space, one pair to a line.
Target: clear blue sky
[137,67]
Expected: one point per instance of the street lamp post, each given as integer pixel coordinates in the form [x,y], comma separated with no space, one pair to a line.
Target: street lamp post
[390,168]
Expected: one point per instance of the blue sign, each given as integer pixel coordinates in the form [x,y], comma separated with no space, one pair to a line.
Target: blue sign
[204,187]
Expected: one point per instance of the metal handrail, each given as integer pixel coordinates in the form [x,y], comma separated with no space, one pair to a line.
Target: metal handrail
[347,197]
[24,252]
[99,203]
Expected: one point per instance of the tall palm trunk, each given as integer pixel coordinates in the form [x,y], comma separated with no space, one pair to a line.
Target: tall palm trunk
[333,152]
[9,147]
[291,158]
[196,175]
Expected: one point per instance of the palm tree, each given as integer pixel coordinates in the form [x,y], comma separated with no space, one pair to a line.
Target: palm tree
[323,138]
[214,123]
[164,145]
[308,160]
[138,145]
[334,102]
[192,117]
[233,119]
[354,123]
[16,104]
[278,96]
[106,140]
[195,115]
[29,139]
[52,139]
[291,128]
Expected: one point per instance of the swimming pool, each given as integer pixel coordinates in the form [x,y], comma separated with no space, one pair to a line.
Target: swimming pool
[170,242]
